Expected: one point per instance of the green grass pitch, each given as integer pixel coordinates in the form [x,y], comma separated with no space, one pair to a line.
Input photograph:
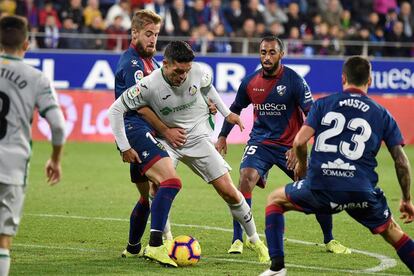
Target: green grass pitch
[81,225]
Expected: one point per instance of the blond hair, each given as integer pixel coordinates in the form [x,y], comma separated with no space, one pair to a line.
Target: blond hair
[144,17]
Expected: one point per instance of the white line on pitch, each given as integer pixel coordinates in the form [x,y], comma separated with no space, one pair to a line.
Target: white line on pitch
[58,247]
[385,262]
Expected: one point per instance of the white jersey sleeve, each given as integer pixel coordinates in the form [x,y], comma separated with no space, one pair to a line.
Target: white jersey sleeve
[137,96]
[48,106]
[46,98]
[116,119]
[57,125]
[131,99]
[210,92]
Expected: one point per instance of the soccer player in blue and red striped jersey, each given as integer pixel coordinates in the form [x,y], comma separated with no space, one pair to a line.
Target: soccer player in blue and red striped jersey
[279,97]
[348,128]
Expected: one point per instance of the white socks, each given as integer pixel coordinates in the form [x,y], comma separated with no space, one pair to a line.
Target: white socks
[242,213]
[4,261]
[166,233]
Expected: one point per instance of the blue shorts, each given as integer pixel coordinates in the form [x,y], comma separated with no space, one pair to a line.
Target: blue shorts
[368,208]
[262,158]
[148,148]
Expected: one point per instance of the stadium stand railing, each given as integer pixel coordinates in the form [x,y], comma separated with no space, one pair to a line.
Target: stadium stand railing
[238,45]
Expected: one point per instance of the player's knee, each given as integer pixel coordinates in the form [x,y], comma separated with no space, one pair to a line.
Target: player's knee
[245,186]
[248,179]
[162,175]
[393,233]
[143,188]
[277,197]
[392,228]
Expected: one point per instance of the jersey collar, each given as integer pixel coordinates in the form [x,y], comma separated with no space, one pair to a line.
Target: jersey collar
[6,56]
[355,91]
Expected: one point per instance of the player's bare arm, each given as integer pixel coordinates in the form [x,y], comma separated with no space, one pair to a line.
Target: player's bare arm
[300,149]
[174,136]
[402,168]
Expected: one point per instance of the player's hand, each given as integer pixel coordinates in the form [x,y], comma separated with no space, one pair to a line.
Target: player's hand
[221,145]
[131,156]
[299,171]
[234,119]
[291,159]
[53,172]
[212,107]
[407,211]
[175,136]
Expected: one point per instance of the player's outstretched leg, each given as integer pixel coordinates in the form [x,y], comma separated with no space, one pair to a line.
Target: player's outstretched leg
[402,243]
[242,213]
[331,245]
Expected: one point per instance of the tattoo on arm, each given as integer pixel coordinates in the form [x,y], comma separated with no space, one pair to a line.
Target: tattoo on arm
[403,170]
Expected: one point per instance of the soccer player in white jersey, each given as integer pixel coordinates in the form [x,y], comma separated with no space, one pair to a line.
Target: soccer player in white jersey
[22,90]
[178,93]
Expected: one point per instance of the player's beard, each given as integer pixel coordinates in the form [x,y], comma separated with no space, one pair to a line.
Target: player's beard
[142,52]
[270,71]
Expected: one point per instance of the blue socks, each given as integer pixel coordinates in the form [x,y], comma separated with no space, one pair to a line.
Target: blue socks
[275,228]
[405,250]
[325,221]
[138,221]
[161,206]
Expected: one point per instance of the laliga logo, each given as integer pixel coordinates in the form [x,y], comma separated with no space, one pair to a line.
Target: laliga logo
[71,116]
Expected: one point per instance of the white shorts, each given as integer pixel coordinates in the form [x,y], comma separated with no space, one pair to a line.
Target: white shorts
[201,157]
[11,208]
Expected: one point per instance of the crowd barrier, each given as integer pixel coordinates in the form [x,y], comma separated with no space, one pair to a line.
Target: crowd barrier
[86,116]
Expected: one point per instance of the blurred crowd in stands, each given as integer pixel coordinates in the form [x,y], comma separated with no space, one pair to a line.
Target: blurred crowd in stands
[309,27]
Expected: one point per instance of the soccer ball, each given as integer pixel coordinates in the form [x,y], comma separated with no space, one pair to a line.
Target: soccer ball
[185,250]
